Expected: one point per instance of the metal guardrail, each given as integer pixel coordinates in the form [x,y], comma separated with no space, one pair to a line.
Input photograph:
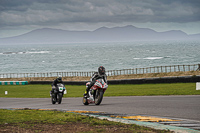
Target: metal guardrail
[179,79]
[156,69]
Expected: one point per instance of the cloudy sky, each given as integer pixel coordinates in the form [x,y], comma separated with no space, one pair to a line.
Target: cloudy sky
[21,16]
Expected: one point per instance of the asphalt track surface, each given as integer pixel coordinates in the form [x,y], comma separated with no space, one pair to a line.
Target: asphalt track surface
[182,107]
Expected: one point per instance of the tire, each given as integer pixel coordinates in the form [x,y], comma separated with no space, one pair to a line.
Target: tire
[98,96]
[59,98]
[85,101]
[53,99]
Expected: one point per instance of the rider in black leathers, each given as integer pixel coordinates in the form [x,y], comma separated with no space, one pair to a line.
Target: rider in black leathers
[97,75]
[55,82]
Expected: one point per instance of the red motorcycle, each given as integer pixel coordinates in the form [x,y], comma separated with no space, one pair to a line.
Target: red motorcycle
[96,92]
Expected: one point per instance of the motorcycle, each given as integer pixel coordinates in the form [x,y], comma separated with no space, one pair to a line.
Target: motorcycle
[96,92]
[57,94]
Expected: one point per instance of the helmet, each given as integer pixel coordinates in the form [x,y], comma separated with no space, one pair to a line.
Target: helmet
[59,79]
[101,70]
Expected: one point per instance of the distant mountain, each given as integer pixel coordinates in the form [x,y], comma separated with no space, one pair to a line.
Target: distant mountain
[103,34]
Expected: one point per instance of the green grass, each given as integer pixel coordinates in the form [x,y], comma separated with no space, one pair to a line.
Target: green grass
[153,89]
[30,119]
[36,116]
[42,91]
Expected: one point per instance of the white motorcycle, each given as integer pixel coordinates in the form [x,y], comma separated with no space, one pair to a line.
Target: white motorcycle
[57,94]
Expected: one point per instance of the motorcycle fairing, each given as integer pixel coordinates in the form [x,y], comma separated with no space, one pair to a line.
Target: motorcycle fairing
[61,87]
[100,83]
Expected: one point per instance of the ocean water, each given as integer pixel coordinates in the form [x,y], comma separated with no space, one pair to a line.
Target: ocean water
[84,57]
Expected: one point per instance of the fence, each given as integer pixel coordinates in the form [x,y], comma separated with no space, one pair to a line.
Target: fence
[157,69]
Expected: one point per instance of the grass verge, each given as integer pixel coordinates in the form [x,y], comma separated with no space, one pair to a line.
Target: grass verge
[57,121]
[42,91]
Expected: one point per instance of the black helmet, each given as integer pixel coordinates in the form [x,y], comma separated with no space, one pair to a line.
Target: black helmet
[101,70]
[59,79]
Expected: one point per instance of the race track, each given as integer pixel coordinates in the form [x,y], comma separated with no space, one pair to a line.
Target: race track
[182,107]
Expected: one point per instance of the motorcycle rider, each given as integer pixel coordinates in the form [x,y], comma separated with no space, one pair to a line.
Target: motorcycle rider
[55,82]
[97,75]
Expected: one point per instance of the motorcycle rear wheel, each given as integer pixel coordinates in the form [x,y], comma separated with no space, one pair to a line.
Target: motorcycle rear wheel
[98,96]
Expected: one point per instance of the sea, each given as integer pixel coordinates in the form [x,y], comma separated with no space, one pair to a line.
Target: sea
[86,57]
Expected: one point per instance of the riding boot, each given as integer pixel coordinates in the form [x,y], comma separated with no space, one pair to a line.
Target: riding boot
[87,90]
[51,92]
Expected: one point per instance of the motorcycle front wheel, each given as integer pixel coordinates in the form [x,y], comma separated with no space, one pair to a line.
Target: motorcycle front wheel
[59,98]
[98,96]
[85,101]
[53,98]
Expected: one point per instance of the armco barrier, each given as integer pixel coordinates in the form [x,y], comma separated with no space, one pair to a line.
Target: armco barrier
[13,82]
[180,79]
[65,82]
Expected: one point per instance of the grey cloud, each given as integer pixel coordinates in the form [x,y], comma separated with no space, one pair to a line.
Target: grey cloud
[50,12]
[176,11]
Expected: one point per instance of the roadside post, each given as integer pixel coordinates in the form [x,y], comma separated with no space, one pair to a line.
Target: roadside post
[197,85]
